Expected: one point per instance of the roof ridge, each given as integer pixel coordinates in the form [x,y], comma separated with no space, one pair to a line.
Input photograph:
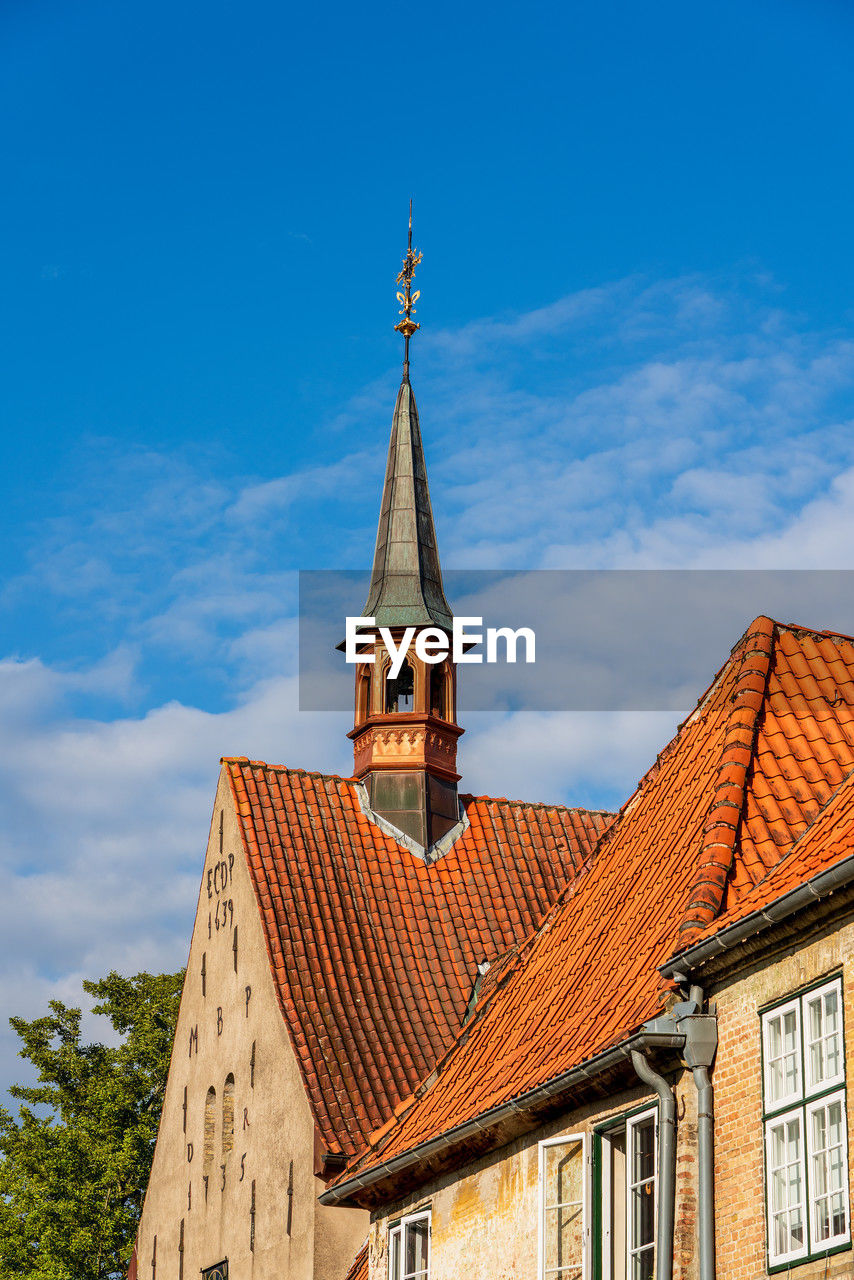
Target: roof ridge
[352,781]
[754,654]
[795,847]
[287,768]
[535,804]
[812,632]
[650,774]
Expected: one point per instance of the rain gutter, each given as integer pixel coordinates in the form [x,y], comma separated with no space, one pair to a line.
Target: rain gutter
[666,1164]
[436,1146]
[804,895]
[701,1043]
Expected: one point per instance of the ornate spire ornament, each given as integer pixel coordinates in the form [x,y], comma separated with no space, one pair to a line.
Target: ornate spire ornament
[407,299]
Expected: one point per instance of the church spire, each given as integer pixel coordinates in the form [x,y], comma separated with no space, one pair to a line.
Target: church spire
[405,732]
[406,582]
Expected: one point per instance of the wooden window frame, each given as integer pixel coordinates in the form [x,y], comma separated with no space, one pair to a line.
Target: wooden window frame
[633,1123]
[565,1139]
[603,1193]
[792,1255]
[813,1087]
[772,1015]
[397,1232]
[810,1108]
[809,1097]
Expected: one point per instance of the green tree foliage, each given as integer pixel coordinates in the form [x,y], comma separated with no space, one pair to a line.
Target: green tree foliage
[75,1162]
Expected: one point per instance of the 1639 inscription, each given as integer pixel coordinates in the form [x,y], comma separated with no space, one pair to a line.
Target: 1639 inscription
[222,917]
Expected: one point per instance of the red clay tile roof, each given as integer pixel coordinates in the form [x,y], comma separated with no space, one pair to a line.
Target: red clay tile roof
[802,752]
[359,1269]
[742,779]
[828,841]
[374,951]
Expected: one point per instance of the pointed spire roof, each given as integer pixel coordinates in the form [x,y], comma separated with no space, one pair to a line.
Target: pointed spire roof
[406,582]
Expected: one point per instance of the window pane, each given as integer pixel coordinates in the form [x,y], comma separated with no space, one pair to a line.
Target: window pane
[643,1264]
[394,1255]
[415,1248]
[643,1214]
[563,1209]
[824,1036]
[783,1056]
[827,1170]
[784,1144]
[563,1240]
[790,1058]
[643,1151]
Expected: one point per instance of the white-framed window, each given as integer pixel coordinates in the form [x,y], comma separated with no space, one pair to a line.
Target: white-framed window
[641,1196]
[805,1119]
[784,1167]
[827,1162]
[409,1247]
[783,1055]
[823,1062]
[626,1153]
[563,1228]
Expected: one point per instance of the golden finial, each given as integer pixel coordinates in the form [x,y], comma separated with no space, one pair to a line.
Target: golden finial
[405,296]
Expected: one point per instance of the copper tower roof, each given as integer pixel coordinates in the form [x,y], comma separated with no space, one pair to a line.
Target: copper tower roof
[406,582]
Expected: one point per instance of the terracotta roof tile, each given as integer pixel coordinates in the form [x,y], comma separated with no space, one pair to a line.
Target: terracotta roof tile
[374,951]
[830,839]
[707,822]
[360,1269]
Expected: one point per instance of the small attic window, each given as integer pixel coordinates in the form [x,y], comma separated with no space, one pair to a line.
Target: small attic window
[399,693]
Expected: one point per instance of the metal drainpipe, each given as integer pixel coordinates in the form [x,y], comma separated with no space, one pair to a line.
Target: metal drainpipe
[705,1153]
[666,1165]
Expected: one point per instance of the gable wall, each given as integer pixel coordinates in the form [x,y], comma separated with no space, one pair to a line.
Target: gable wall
[273,1125]
[739,1156]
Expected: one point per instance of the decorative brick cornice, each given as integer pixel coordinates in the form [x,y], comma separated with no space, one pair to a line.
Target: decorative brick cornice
[418,742]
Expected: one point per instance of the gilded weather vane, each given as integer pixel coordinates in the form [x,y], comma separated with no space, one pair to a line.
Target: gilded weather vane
[406,297]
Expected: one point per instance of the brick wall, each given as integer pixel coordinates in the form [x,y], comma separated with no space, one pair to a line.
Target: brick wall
[739,1155]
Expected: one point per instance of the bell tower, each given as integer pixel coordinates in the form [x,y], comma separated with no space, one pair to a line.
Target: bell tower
[405,733]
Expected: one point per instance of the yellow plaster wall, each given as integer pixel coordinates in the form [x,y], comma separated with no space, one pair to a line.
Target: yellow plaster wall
[485,1217]
[273,1123]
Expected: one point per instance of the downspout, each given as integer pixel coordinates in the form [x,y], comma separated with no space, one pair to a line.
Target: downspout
[666,1165]
[701,1041]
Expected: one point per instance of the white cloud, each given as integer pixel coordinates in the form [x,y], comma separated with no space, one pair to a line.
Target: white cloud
[688,423]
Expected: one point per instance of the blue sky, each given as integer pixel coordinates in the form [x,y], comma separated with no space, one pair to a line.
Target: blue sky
[638,351]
